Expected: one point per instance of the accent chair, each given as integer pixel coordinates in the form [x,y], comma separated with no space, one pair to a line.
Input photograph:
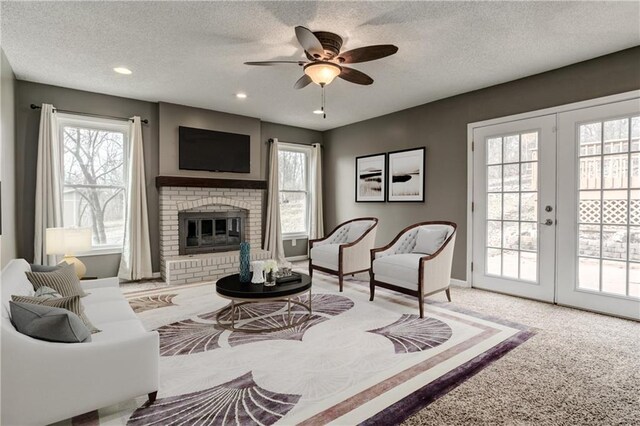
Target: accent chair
[345,250]
[417,262]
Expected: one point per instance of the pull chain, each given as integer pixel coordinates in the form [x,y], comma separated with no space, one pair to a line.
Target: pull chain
[324,113]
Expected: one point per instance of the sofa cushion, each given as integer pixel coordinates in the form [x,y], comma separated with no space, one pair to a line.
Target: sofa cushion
[428,241]
[109,311]
[14,281]
[64,281]
[117,331]
[102,294]
[402,268]
[71,303]
[48,323]
[325,255]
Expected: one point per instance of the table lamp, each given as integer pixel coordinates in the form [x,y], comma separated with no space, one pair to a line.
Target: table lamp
[68,242]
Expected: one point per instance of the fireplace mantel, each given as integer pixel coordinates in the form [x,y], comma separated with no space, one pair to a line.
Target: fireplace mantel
[194,182]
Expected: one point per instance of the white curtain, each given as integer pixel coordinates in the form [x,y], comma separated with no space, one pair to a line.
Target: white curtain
[273,229]
[48,206]
[135,262]
[317,219]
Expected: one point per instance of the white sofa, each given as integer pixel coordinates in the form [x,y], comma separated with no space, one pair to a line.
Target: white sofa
[45,382]
[397,267]
[345,250]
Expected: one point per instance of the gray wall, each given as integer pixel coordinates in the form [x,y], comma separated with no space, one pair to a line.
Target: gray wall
[296,135]
[8,246]
[441,127]
[172,116]
[27,123]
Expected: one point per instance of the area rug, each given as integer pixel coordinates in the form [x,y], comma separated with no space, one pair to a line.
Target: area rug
[353,362]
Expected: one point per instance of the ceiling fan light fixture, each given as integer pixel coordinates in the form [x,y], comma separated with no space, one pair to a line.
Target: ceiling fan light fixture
[322,73]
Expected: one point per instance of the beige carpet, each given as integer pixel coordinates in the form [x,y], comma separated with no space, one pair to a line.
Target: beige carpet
[579,369]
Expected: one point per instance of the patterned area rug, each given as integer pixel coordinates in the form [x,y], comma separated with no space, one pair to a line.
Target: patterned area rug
[353,361]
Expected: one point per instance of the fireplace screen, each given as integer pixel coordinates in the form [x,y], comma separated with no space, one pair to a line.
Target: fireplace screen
[210,232]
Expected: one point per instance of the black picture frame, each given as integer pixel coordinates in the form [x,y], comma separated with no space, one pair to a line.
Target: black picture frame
[413,157]
[372,160]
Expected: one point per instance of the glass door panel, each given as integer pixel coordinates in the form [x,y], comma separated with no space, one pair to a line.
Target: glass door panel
[598,258]
[508,192]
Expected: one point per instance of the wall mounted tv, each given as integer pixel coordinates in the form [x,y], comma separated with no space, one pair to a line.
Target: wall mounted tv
[213,151]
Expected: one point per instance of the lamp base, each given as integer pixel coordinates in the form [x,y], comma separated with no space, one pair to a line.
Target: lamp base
[81,270]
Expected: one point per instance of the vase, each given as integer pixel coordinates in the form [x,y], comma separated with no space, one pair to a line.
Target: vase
[245,257]
[270,280]
[258,272]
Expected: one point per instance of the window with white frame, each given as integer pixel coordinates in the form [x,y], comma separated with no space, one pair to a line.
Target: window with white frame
[94,167]
[293,165]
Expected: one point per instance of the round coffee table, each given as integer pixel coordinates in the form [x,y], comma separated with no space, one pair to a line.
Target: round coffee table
[240,294]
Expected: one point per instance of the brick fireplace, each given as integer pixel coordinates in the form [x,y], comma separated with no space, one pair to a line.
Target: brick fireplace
[212,214]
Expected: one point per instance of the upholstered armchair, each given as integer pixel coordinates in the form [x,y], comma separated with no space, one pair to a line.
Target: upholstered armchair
[417,262]
[346,250]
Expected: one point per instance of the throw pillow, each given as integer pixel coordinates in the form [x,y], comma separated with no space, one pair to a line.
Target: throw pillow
[356,230]
[428,241]
[44,268]
[64,281]
[47,293]
[71,303]
[48,323]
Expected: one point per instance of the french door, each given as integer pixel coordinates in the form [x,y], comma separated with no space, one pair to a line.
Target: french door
[599,209]
[556,213]
[514,207]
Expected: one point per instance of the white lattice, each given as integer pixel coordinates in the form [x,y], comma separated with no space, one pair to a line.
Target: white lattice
[590,211]
[615,211]
[634,214]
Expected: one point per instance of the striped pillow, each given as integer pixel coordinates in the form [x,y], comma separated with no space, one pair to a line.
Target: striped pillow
[64,281]
[71,303]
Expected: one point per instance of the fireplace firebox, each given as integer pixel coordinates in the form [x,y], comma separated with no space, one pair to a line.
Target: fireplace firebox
[208,232]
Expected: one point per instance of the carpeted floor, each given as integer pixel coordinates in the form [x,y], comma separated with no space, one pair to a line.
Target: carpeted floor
[579,369]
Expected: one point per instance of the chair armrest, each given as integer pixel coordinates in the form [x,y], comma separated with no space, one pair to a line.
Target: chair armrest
[435,269]
[356,255]
[100,283]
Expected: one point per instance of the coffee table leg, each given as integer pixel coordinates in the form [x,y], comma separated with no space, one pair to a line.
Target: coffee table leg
[233,313]
[289,309]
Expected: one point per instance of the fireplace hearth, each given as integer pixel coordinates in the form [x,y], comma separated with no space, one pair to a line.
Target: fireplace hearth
[210,232]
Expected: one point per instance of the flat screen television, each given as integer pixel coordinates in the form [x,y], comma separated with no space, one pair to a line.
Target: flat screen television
[213,151]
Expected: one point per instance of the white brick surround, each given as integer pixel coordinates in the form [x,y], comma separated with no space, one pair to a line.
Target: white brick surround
[178,269]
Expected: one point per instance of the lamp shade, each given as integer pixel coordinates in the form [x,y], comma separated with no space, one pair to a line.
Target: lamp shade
[322,72]
[68,240]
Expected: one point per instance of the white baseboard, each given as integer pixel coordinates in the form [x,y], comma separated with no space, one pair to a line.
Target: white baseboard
[297,258]
[459,283]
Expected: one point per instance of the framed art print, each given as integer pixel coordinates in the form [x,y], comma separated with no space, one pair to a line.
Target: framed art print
[406,175]
[371,178]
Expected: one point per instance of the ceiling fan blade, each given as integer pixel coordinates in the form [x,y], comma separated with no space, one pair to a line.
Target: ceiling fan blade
[355,76]
[302,82]
[368,53]
[309,42]
[265,63]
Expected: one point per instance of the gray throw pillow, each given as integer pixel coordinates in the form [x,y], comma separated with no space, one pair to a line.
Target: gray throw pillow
[48,323]
[44,268]
[64,281]
[46,293]
[71,303]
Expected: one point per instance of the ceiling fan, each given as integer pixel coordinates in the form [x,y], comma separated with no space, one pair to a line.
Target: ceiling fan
[326,62]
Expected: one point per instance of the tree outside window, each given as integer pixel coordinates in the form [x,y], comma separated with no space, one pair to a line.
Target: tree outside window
[94,180]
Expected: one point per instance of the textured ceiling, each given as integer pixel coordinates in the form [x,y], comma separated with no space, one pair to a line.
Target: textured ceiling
[192,53]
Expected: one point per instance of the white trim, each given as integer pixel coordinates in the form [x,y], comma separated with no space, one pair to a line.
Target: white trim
[297,258]
[459,283]
[100,251]
[633,94]
[295,236]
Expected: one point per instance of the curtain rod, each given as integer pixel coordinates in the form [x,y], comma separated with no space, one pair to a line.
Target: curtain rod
[296,143]
[88,114]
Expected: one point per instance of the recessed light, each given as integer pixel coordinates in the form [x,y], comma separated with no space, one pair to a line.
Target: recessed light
[318,111]
[122,70]
[241,95]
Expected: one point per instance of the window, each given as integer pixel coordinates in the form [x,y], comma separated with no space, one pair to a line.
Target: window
[94,167]
[294,190]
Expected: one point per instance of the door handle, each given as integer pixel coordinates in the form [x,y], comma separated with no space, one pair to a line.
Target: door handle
[547,222]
